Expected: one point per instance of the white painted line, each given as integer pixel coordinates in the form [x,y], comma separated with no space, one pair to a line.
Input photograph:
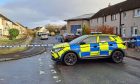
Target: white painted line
[58,81]
[51,66]
[42,72]
[53,71]
[55,77]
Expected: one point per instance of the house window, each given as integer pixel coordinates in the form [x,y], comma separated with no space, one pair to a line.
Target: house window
[97,20]
[123,32]
[105,18]
[134,31]
[124,15]
[137,12]
[113,17]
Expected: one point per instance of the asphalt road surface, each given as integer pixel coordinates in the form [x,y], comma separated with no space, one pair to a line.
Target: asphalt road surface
[41,69]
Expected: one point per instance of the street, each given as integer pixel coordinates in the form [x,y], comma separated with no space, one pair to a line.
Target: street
[40,69]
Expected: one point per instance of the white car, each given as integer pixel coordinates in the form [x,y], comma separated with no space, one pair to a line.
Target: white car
[44,36]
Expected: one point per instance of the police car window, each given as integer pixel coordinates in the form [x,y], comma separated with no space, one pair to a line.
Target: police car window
[104,39]
[91,39]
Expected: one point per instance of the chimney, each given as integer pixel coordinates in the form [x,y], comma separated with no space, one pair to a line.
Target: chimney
[109,4]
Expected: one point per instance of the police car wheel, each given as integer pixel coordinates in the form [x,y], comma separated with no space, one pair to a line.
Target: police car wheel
[117,57]
[70,59]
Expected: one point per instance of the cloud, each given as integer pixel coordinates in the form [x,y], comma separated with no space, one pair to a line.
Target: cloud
[40,12]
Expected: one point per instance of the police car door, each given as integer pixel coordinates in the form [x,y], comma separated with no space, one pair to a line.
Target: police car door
[90,47]
[104,45]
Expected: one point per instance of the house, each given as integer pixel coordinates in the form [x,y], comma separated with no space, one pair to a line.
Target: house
[75,25]
[124,17]
[5,25]
[22,29]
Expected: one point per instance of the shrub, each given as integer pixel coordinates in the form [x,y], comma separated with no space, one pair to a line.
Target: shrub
[85,30]
[13,33]
[105,29]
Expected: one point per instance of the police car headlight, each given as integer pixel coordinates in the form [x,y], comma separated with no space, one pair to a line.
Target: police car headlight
[57,49]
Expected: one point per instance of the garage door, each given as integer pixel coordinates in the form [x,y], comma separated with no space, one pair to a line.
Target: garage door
[74,28]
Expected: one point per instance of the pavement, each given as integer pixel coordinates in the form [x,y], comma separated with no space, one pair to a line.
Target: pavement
[40,69]
[133,53]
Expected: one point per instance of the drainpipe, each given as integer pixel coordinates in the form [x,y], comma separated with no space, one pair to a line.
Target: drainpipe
[120,25]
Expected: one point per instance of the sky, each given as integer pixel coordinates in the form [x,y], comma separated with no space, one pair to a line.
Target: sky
[34,13]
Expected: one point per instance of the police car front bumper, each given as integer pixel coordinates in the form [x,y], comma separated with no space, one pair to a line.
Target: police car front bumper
[54,56]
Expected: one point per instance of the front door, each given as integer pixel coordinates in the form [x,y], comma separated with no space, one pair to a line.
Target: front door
[90,47]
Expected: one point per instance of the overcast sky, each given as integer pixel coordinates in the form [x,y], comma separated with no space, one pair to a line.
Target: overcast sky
[34,13]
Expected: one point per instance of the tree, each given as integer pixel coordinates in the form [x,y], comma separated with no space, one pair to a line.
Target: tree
[13,33]
[54,28]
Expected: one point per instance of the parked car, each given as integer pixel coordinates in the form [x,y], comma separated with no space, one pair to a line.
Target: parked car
[90,47]
[134,42]
[44,36]
[69,37]
[60,38]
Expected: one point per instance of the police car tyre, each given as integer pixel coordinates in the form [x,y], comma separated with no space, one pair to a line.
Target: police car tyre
[117,56]
[70,59]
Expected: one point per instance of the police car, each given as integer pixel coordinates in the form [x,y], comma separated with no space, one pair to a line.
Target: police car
[90,47]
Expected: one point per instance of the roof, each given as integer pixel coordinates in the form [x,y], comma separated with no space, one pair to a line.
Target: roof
[6,18]
[120,7]
[82,17]
[19,24]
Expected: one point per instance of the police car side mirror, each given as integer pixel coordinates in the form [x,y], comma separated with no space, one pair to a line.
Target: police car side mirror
[82,43]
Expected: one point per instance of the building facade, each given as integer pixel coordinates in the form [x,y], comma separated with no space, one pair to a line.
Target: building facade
[75,25]
[6,24]
[124,17]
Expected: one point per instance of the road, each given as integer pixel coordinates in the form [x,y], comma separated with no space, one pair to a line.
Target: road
[41,69]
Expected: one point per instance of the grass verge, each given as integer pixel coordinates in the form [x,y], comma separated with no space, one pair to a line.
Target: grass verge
[12,50]
[4,51]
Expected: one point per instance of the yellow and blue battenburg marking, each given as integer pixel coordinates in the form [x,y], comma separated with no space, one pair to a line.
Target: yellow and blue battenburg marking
[95,49]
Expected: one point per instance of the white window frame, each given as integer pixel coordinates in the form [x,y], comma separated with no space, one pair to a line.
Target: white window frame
[114,17]
[137,12]
[123,32]
[134,31]
[124,15]
[105,19]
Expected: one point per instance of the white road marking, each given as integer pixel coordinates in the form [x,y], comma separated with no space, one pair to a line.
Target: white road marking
[42,72]
[55,77]
[40,65]
[58,81]
[51,66]
[53,71]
